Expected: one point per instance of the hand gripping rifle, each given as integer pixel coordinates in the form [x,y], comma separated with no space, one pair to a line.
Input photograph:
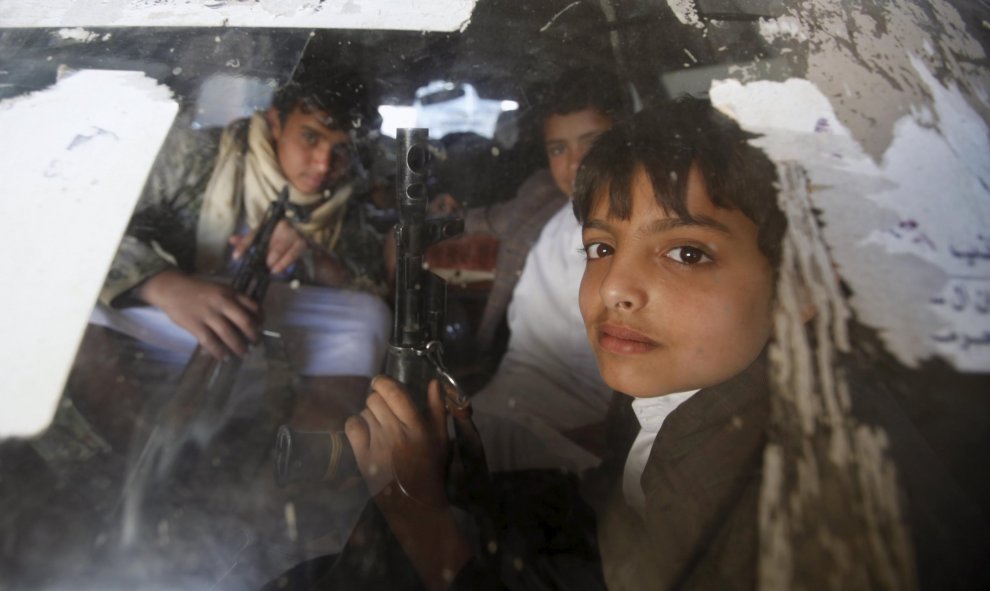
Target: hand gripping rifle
[206,382]
[415,353]
[195,412]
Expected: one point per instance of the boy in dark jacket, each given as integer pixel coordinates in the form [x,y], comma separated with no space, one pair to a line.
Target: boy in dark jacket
[683,241]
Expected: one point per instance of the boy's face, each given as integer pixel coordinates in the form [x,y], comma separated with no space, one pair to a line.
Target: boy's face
[311,155]
[671,305]
[567,139]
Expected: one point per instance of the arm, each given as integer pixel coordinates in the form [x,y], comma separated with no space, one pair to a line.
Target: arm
[134,263]
[162,232]
[401,454]
[221,319]
[158,249]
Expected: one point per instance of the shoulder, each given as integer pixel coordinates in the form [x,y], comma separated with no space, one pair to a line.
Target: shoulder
[186,138]
[186,155]
[537,199]
[540,186]
[741,400]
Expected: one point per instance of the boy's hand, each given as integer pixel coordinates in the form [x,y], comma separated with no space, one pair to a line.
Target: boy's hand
[393,441]
[221,319]
[284,249]
[396,445]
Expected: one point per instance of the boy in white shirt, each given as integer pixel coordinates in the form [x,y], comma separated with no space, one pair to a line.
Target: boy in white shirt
[546,381]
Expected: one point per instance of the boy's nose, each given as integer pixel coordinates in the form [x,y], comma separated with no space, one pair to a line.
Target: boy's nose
[574,158]
[621,288]
[321,158]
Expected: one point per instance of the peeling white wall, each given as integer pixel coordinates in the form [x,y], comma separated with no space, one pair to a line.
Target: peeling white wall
[415,15]
[899,162]
[73,160]
[910,235]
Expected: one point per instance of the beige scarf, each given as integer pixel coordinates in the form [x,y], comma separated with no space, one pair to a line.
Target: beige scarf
[262,183]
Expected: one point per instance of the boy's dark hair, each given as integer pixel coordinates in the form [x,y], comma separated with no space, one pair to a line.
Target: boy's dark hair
[667,140]
[341,93]
[582,88]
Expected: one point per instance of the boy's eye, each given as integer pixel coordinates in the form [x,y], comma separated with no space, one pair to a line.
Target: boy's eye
[555,150]
[309,137]
[688,255]
[597,250]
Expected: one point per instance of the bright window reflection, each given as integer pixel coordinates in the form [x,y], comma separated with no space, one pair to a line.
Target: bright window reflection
[445,108]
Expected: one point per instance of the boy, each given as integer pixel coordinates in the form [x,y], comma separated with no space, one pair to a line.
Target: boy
[199,210]
[683,240]
[682,236]
[546,380]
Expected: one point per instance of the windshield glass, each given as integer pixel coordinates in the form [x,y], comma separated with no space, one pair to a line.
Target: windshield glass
[219,230]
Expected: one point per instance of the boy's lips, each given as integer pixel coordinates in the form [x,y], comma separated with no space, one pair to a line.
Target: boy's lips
[620,339]
[313,181]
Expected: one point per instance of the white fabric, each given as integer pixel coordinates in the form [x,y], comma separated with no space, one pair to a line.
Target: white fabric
[325,331]
[548,380]
[651,413]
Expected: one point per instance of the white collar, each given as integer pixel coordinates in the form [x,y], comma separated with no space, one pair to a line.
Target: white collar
[651,413]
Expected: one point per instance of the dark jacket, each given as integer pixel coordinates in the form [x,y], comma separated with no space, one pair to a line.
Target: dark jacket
[701,483]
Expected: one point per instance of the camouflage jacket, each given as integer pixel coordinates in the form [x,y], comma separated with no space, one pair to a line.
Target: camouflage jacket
[162,232]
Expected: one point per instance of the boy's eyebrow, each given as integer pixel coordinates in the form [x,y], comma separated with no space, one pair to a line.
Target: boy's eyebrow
[597,224]
[321,130]
[583,136]
[664,225]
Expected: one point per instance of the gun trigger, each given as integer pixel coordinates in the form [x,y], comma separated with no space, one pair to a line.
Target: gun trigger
[434,353]
[299,213]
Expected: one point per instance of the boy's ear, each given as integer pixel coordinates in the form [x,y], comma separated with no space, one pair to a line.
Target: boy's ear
[274,122]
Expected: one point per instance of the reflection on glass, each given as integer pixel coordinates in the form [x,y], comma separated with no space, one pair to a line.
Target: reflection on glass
[219,522]
[446,108]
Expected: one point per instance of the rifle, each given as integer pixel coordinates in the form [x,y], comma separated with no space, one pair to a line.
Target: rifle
[415,352]
[193,414]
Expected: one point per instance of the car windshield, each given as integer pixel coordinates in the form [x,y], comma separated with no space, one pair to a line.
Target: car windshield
[218,227]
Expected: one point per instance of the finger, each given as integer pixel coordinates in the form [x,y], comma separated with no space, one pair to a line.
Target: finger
[371,421]
[358,433]
[282,239]
[288,257]
[247,303]
[384,416]
[359,436]
[437,410]
[228,334]
[244,321]
[211,343]
[241,244]
[397,398]
[257,312]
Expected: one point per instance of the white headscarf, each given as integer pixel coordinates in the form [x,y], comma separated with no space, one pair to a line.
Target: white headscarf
[262,182]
